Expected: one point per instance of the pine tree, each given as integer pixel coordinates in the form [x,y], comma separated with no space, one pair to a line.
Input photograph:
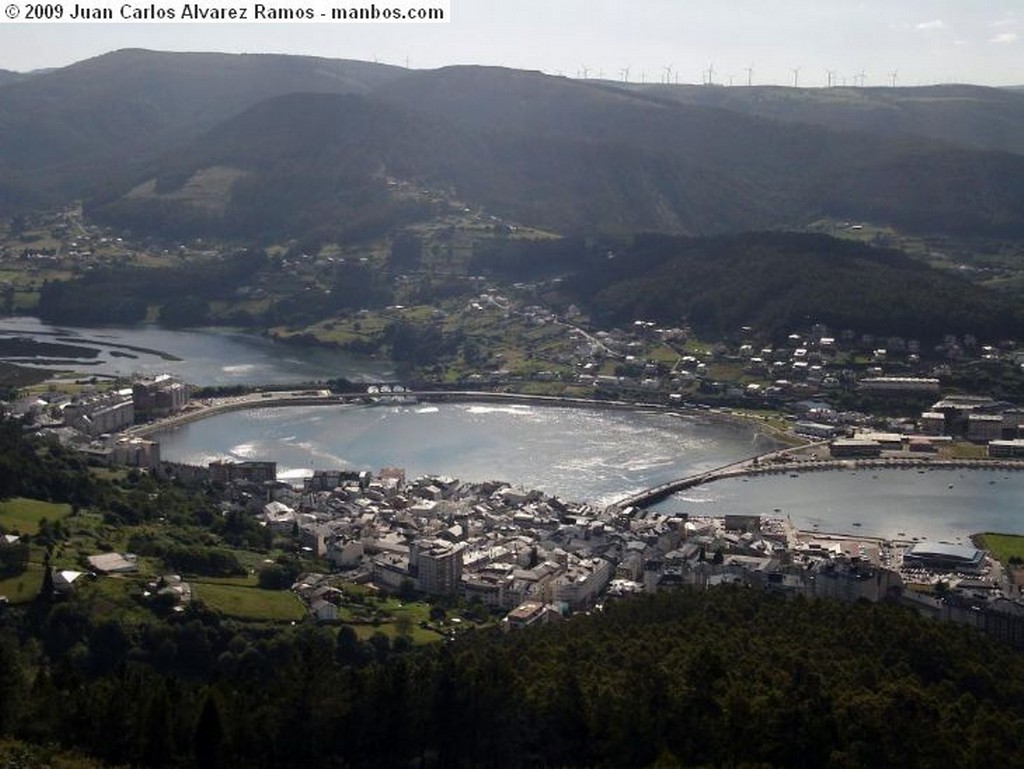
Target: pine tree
[46,591]
[208,741]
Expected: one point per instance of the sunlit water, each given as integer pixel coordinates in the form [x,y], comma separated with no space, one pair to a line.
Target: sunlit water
[583,454]
[601,456]
[937,504]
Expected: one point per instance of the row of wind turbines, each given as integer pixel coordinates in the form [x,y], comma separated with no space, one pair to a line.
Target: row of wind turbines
[670,76]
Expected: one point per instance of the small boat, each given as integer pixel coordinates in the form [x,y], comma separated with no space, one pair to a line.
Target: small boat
[855,523]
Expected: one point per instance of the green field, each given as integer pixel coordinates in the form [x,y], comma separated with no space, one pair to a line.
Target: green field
[112,597]
[24,587]
[249,602]
[23,515]
[1002,546]
[417,635]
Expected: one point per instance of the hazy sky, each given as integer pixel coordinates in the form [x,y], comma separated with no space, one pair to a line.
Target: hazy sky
[925,41]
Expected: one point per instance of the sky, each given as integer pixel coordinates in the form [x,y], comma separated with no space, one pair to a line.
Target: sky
[909,42]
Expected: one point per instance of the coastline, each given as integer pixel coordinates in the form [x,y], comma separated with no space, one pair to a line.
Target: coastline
[778,461]
[213,406]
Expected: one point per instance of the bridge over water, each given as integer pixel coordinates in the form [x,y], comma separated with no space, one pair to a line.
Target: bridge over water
[733,469]
[665,490]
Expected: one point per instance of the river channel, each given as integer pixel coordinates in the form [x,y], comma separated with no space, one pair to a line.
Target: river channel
[200,356]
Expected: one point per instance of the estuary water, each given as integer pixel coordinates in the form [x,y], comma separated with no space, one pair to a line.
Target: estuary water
[199,356]
[596,455]
[584,454]
[600,456]
[934,504]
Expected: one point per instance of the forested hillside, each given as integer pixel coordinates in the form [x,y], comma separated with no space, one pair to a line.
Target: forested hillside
[68,132]
[720,678]
[966,115]
[773,281]
[273,146]
[572,157]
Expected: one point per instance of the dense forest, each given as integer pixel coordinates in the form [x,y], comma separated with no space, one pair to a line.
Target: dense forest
[123,294]
[723,678]
[256,146]
[773,281]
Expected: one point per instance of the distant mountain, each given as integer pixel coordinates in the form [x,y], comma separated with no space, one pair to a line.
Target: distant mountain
[567,155]
[295,164]
[63,132]
[275,145]
[6,76]
[972,116]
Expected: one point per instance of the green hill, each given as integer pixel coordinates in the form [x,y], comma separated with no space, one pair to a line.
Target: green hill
[63,133]
[970,116]
[773,281]
[272,145]
[717,678]
[569,156]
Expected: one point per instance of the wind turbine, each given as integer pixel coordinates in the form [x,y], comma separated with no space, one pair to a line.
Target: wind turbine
[831,76]
[711,73]
[625,74]
[750,75]
[585,70]
[796,76]
[892,76]
[668,75]
[862,77]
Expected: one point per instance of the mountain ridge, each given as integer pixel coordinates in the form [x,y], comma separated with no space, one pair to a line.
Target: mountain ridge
[568,155]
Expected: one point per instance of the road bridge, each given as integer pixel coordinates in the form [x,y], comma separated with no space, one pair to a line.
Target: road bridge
[731,470]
